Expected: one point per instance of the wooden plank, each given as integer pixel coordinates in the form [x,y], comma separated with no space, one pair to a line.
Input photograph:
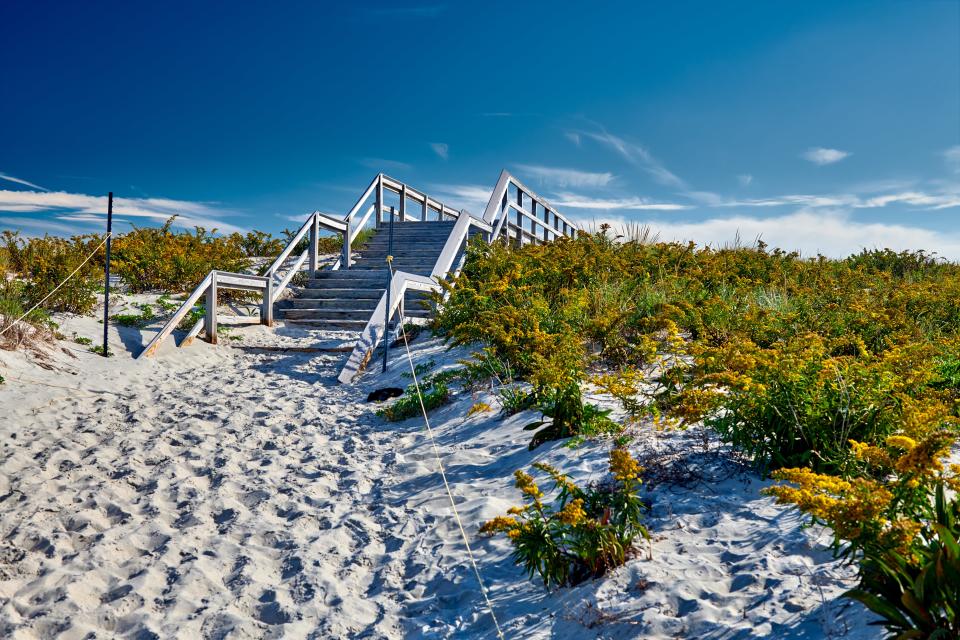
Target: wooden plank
[229,280]
[266,306]
[193,333]
[174,320]
[373,333]
[292,271]
[494,208]
[314,247]
[210,326]
[293,243]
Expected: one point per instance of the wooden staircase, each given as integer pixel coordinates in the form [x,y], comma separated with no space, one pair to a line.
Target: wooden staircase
[344,299]
[351,295]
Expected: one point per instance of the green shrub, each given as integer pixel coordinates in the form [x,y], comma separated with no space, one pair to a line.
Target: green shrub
[898,523]
[142,319]
[156,258]
[569,417]
[41,264]
[583,533]
[435,392]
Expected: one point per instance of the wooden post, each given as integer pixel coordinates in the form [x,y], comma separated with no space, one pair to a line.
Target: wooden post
[386,311]
[426,209]
[210,325]
[546,228]
[106,278]
[314,245]
[266,309]
[345,251]
[519,217]
[403,204]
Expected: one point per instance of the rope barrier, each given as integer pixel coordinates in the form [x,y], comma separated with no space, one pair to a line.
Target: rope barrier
[56,288]
[443,473]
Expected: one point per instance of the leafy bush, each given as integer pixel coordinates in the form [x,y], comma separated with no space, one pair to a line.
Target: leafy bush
[435,392]
[896,519]
[584,532]
[786,357]
[259,244]
[569,416]
[797,404]
[145,317]
[156,258]
[41,264]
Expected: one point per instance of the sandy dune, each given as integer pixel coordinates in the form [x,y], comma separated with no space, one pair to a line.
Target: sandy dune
[231,492]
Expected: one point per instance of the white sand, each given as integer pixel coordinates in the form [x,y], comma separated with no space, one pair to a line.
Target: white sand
[224,492]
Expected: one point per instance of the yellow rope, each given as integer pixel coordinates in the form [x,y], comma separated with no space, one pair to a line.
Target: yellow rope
[436,452]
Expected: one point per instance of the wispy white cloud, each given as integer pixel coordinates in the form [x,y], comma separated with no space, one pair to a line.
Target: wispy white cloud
[822,156]
[442,149]
[573,137]
[472,197]
[61,203]
[635,155]
[382,164]
[941,200]
[27,225]
[577,201]
[745,179]
[952,157]
[564,178]
[10,178]
[832,233]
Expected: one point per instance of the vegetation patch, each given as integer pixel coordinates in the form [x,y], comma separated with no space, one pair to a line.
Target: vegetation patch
[582,532]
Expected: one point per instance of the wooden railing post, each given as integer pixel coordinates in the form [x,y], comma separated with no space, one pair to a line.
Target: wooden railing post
[266,308]
[210,317]
[345,251]
[314,245]
[519,217]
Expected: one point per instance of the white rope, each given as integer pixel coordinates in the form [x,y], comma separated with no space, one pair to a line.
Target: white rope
[34,307]
[436,453]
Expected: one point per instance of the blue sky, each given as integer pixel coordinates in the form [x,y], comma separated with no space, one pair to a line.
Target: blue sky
[820,126]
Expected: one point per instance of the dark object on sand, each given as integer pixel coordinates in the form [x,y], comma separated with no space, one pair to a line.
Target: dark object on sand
[384,394]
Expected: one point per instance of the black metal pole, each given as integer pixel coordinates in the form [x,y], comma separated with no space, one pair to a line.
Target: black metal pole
[386,312]
[106,277]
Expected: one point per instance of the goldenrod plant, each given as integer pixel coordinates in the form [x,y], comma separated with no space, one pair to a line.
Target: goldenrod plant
[898,522]
[582,532]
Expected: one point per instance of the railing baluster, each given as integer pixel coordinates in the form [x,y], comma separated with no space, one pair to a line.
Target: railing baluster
[210,324]
[314,245]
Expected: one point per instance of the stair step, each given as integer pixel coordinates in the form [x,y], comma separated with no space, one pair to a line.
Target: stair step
[351,325]
[368,304]
[327,293]
[327,314]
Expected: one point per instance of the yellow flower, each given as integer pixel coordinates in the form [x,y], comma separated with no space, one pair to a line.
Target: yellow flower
[572,514]
[562,480]
[623,466]
[500,523]
[901,442]
[479,407]
[527,485]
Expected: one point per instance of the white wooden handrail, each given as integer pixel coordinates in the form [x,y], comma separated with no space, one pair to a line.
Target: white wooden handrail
[400,282]
[498,213]
[215,280]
